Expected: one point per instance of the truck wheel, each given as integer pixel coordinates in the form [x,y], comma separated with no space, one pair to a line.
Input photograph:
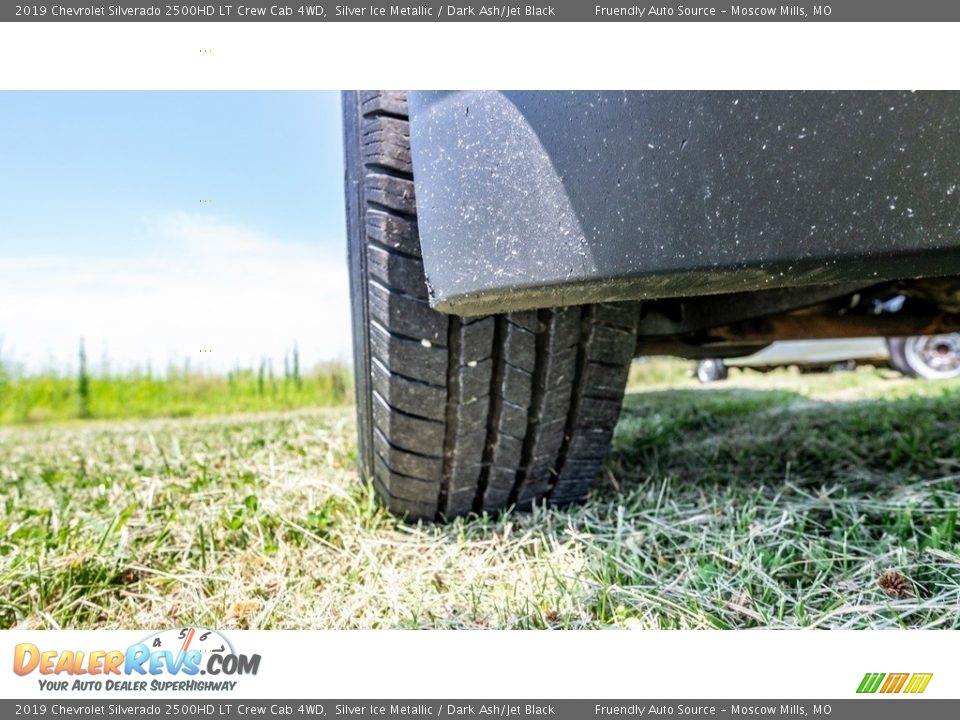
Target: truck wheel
[936,357]
[464,414]
[711,370]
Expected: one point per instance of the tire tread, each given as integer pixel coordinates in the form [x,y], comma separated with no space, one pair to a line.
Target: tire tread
[470,414]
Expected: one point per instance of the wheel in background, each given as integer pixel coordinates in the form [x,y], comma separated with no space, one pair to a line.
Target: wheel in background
[711,370]
[936,357]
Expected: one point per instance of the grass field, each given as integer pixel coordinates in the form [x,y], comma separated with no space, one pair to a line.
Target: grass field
[51,396]
[765,501]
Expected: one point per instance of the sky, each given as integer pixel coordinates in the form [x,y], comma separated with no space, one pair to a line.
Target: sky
[164,227]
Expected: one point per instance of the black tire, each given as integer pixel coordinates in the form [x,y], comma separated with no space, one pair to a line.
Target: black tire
[464,414]
[711,370]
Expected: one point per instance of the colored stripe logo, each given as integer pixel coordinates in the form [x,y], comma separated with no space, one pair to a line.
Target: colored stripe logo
[913,683]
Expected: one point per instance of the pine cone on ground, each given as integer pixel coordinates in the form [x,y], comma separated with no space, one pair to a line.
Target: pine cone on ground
[895,585]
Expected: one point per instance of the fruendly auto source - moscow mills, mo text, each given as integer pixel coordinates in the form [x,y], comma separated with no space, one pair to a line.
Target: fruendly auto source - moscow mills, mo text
[693,11]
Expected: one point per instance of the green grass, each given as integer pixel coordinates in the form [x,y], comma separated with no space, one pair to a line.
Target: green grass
[53,396]
[766,501]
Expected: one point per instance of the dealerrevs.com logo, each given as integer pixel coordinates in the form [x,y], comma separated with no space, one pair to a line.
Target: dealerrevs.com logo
[168,660]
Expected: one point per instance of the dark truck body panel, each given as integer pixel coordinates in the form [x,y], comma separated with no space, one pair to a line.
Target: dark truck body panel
[534,199]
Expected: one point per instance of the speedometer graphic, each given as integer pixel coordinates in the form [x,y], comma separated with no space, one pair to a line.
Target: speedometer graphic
[184,639]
